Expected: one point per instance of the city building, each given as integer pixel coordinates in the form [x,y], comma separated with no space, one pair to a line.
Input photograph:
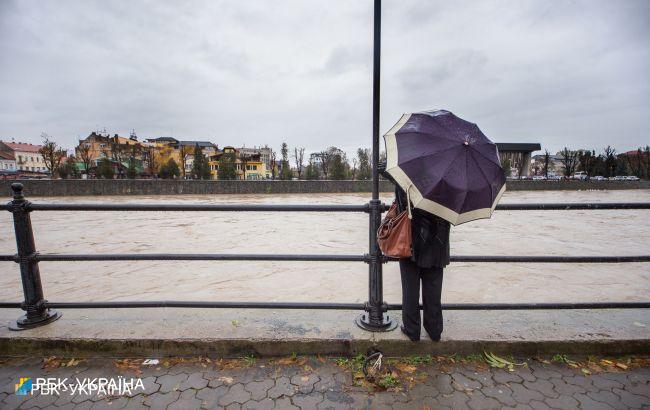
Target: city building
[265,153]
[519,155]
[116,149]
[27,157]
[247,166]
[7,163]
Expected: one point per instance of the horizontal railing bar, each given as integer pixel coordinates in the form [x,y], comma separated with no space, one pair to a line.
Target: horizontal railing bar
[199,207]
[551,259]
[317,258]
[309,208]
[331,306]
[199,257]
[573,206]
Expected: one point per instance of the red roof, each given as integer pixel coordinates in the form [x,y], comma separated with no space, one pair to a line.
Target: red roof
[7,155]
[21,146]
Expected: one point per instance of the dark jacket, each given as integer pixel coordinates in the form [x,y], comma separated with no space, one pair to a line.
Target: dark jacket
[430,233]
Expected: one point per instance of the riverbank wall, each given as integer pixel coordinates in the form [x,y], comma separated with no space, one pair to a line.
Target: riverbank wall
[187,187]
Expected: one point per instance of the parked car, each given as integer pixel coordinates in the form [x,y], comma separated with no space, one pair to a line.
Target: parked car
[632,178]
[556,178]
[581,175]
[599,178]
[620,178]
[539,178]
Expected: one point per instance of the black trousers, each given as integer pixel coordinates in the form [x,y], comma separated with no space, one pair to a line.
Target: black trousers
[431,279]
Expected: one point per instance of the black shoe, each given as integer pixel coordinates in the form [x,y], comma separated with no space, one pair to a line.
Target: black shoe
[413,338]
[435,339]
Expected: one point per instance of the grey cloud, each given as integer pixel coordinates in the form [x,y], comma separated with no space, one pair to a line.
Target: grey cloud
[254,72]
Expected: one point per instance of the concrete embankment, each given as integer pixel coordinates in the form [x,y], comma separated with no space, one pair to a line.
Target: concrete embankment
[184,187]
[237,332]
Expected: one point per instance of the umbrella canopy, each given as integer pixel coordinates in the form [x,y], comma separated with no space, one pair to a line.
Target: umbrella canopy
[447,165]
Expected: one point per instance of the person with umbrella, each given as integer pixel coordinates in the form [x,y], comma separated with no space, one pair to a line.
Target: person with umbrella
[445,171]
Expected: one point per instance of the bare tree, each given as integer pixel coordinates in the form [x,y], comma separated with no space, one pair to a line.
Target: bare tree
[610,161]
[570,161]
[299,156]
[52,154]
[151,154]
[326,161]
[183,151]
[547,163]
[83,152]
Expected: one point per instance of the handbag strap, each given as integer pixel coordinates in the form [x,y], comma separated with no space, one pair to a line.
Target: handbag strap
[408,201]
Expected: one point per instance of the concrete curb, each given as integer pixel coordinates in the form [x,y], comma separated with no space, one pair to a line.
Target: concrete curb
[236,333]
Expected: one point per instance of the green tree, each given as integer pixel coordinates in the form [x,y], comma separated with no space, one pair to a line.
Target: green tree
[311,171]
[339,167]
[365,169]
[227,164]
[285,167]
[69,169]
[104,169]
[169,170]
[200,167]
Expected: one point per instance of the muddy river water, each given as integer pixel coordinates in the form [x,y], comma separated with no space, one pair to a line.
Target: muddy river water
[619,232]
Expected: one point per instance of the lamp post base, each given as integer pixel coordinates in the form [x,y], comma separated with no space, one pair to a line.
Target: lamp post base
[387,323]
[23,323]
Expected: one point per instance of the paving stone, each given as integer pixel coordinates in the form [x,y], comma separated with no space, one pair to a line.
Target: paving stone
[442,383]
[233,406]
[335,400]
[526,374]
[136,403]
[210,397]
[501,393]
[524,395]
[258,390]
[588,403]
[161,400]
[305,382]
[545,372]
[603,383]
[543,386]
[236,394]
[485,378]
[423,390]
[283,387]
[118,403]
[284,403]
[606,397]
[462,383]
[86,405]
[194,381]
[538,405]
[456,400]
[631,400]
[478,401]
[40,401]
[640,388]
[187,400]
[562,402]
[564,388]
[582,381]
[307,401]
[505,377]
[171,382]
[264,404]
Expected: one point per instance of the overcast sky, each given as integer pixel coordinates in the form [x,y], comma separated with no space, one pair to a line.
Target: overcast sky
[257,72]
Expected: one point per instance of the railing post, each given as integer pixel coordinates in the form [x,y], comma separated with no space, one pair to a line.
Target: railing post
[37,314]
[375,319]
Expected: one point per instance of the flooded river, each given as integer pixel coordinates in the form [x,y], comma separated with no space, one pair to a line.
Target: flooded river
[507,233]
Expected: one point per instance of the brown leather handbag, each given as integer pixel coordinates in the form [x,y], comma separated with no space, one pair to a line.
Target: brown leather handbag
[394,234]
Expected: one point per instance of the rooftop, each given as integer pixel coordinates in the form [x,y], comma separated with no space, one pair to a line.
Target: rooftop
[22,146]
[7,155]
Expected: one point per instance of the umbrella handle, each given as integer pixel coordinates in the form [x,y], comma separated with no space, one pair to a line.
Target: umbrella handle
[408,201]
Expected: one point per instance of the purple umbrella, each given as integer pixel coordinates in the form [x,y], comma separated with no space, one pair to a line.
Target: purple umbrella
[446,165]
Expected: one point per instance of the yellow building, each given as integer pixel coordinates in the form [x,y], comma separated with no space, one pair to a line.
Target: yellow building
[247,167]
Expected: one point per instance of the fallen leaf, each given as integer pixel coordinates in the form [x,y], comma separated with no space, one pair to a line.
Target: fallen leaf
[226,379]
[621,366]
[304,379]
[586,371]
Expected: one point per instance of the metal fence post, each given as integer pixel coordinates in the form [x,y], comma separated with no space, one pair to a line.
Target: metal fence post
[37,314]
[375,319]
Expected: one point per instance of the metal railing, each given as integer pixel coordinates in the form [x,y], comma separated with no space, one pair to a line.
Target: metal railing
[38,311]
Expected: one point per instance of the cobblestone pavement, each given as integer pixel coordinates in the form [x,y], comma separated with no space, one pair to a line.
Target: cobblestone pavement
[319,383]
